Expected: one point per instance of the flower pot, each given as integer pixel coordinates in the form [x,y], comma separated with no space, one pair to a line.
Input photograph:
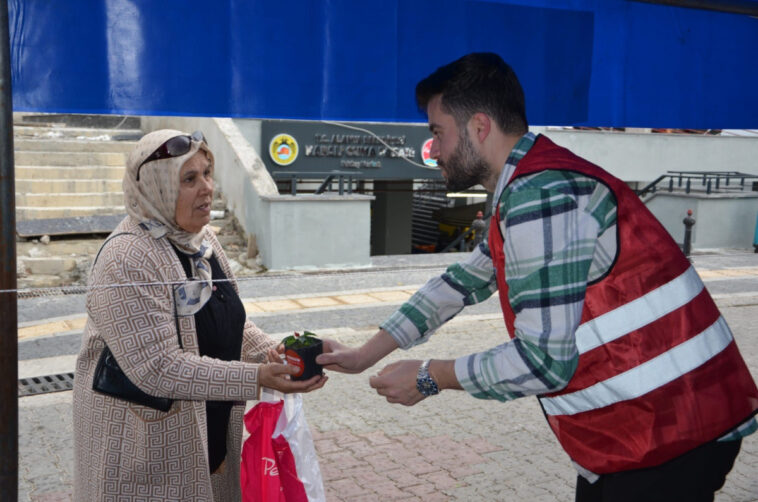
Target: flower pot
[302,352]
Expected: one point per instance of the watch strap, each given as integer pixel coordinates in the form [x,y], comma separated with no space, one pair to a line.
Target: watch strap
[425,384]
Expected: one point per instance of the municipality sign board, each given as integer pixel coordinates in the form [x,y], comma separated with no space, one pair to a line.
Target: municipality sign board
[359,149]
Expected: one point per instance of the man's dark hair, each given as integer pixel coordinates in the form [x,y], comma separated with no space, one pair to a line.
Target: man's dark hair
[477,82]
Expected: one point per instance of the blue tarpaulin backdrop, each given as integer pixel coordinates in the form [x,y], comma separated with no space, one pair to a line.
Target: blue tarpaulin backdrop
[581,62]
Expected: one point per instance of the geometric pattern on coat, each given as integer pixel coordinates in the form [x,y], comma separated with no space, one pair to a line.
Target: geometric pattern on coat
[128,452]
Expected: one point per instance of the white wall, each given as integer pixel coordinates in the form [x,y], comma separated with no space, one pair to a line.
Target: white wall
[644,156]
[726,221]
[317,231]
[292,232]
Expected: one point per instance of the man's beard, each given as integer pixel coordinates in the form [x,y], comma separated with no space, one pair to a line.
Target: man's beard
[465,167]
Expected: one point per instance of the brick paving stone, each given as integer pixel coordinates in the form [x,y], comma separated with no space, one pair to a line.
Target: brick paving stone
[401,477]
[347,488]
[53,497]
[436,497]
[330,471]
[381,462]
[421,490]
[324,446]
[364,476]
[331,494]
[345,438]
[372,497]
[481,445]
[377,437]
[389,491]
[344,460]
[49,484]
[360,449]
[330,434]
[401,451]
[441,480]
[461,471]
[466,456]
[422,467]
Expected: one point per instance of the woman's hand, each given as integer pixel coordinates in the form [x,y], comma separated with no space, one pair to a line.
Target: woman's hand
[276,375]
[275,354]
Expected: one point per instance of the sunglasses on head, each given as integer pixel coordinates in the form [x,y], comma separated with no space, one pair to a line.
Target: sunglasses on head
[174,147]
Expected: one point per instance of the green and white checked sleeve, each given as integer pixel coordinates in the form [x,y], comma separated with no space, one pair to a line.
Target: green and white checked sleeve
[439,300]
[560,232]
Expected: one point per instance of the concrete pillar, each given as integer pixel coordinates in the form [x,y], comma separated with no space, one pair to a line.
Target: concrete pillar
[391,214]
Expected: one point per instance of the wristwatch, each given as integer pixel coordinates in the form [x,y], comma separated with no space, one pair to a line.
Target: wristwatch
[424,383]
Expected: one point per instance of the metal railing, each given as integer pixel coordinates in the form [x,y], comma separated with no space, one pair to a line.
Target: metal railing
[344,179]
[707,181]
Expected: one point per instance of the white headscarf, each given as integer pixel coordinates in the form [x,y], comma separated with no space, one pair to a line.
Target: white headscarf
[152,202]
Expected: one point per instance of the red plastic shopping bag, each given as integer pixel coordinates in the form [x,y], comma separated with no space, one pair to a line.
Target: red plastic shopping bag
[259,474]
[279,460]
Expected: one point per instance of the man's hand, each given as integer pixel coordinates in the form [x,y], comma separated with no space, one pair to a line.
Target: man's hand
[342,358]
[346,359]
[397,382]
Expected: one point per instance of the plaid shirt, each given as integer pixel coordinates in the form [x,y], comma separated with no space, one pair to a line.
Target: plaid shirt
[560,232]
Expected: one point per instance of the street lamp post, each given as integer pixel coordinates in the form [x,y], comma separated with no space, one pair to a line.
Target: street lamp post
[8,313]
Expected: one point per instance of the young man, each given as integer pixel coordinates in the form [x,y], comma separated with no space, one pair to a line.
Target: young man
[611,327]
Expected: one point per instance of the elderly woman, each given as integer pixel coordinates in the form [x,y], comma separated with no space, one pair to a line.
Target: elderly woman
[160,302]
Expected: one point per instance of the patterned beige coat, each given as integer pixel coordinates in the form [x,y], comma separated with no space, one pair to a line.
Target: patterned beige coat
[127,452]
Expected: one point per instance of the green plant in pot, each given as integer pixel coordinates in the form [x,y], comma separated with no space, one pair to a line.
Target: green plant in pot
[301,351]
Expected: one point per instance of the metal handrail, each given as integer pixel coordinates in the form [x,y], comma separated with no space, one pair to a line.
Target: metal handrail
[325,186]
[711,180]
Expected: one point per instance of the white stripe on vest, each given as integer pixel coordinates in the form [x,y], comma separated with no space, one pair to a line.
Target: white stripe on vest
[646,377]
[640,312]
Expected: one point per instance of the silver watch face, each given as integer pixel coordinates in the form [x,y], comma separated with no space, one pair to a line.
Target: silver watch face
[424,383]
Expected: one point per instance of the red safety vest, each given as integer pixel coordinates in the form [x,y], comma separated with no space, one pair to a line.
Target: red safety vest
[659,372]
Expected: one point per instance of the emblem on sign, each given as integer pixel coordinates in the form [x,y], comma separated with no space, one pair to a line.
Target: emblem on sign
[283,149]
[426,150]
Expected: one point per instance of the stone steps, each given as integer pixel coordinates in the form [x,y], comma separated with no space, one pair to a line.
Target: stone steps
[71,185]
[22,131]
[34,213]
[68,172]
[57,262]
[41,172]
[72,145]
[68,179]
[65,174]
[69,200]
[60,247]
[70,158]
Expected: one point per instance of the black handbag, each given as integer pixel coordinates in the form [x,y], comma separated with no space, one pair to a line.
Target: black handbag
[110,379]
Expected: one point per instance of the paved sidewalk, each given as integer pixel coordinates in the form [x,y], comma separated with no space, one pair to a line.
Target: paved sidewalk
[448,447]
